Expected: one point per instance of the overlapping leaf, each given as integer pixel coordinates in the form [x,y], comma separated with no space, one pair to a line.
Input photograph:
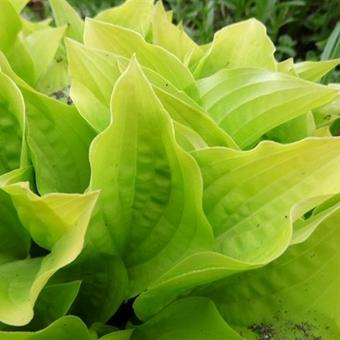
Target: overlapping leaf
[56,222]
[256,49]
[247,103]
[133,14]
[297,292]
[126,43]
[150,206]
[252,216]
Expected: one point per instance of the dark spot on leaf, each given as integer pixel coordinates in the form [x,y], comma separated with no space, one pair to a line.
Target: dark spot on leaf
[265,331]
[69,100]
[58,95]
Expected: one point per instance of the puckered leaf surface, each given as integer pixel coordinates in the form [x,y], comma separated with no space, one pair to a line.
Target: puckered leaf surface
[150,205]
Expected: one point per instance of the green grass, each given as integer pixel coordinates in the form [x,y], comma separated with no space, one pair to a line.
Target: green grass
[299,28]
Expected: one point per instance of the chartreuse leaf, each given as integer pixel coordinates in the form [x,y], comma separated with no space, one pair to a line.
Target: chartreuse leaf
[195,270]
[189,318]
[133,14]
[195,118]
[93,74]
[24,44]
[252,215]
[58,139]
[10,19]
[286,66]
[249,102]
[64,14]
[65,328]
[29,27]
[12,111]
[315,70]
[256,49]
[126,43]
[304,228]
[11,43]
[244,209]
[21,60]
[19,4]
[173,38]
[187,138]
[42,57]
[54,301]
[14,239]
[327,114]
[56,77]
[150,188]
[57,222]
[297,295]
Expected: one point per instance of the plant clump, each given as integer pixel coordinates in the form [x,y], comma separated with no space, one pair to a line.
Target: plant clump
[154,188]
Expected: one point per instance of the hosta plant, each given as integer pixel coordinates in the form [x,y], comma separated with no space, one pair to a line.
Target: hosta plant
[152,188]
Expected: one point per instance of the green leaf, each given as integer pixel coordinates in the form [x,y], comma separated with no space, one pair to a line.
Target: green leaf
[150,202]
[331,49]
[14,239]
[54,301]
[293,130]
[298,291]
[65,328]
[21,60]
[64,14]
[252,214]
[133,14]
[57,222]
[12,111]
[190,318]
[104,282]
[118,335]
[249,102]
[256,49]
[59,140]
[126,43]
[315,70]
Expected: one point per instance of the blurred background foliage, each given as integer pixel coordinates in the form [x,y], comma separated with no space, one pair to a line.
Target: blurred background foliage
[299,28]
